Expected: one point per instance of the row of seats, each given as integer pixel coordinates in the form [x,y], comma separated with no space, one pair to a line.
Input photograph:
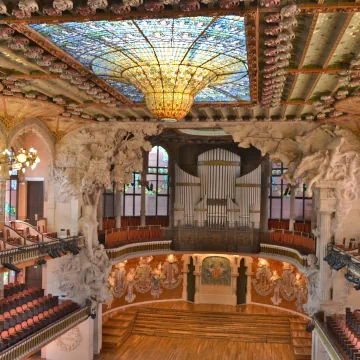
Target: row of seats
[347,332]
[13,288]
[130,236]
[20,298]
[28,325]
[25,311]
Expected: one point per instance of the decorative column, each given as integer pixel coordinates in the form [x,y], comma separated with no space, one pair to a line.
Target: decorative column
[313,210]
[265,182]
[51,206]
[171,193]
[118,203]
[143,184]
[185,272]
[100,212]
[292,207]
[248,263]
[2,201]
[324,239]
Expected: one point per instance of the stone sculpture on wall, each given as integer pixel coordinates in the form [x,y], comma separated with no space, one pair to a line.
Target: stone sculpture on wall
[144,278]
[87,162]
[312,154]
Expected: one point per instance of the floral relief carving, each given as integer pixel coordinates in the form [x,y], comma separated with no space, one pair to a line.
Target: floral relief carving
[88,161]
[144,278]
[313,154]
[70,340]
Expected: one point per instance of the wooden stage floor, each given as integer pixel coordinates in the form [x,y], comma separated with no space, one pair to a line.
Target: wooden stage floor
[138,347]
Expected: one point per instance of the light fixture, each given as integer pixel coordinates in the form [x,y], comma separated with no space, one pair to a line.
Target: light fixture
[19,161]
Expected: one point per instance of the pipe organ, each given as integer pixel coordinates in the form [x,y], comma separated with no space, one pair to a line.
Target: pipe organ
[218,196]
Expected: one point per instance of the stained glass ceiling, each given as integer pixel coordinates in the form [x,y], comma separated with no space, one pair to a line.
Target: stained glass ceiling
[204,57]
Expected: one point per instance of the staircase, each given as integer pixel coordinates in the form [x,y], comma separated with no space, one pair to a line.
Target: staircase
[210,325]
[116,330]
[301,340]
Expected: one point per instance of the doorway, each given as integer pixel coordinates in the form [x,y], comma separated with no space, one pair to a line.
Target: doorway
[241,286]
[191,281]
[35,201]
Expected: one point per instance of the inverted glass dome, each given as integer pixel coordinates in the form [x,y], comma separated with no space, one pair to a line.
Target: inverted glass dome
[168,62]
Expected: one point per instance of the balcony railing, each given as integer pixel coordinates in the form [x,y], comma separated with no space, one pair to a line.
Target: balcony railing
[31,252]
[326,339]
[136,248]
[283,251]
[38,340]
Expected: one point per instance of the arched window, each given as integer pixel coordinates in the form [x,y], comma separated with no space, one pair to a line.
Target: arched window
[279,200]
[157,190]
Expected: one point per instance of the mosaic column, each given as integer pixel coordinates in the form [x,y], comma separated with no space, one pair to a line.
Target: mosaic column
[313,211]
[118,202]
[325,238]
[292,207]
[2,202]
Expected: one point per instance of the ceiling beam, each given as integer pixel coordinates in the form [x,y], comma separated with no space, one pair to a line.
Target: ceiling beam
[311,71]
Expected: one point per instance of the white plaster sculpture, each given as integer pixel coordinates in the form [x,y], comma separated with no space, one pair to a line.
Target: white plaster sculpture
[312,273]
[312,154]
[87,162]
[63,5]
[29,5]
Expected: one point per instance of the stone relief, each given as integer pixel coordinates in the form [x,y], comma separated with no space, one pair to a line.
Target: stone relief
[88,161]
[70,340]
[312,274]
[144,278]
[313,154]
[287,286]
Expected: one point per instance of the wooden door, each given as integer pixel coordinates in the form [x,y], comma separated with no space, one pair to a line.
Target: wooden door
[35,200]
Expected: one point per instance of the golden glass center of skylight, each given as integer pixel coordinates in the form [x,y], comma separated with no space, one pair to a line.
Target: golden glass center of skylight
[169,63]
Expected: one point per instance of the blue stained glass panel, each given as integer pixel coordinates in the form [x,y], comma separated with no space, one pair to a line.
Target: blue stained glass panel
[108,48]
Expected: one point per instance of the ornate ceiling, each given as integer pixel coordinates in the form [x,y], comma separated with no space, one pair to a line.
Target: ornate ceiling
[296,59]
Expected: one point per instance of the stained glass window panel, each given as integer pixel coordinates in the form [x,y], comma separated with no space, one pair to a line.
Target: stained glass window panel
[114,50]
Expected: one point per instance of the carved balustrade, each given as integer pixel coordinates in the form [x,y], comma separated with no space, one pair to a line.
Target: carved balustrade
[33,343]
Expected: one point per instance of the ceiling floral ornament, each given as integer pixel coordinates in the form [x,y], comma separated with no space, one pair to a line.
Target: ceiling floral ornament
[279,34]
[312,153]
[87,161]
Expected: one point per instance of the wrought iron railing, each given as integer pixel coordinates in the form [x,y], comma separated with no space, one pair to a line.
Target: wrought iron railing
[31,252]
[283,251]
[151,246]
[36,341]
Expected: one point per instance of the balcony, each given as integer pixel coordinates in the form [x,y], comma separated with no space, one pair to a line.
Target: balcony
[36,341]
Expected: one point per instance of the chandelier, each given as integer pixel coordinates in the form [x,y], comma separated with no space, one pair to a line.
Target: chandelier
[169,63]
[21,160]
[169,89]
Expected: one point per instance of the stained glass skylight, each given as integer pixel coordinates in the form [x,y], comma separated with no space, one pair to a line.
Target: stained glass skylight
[201,57]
